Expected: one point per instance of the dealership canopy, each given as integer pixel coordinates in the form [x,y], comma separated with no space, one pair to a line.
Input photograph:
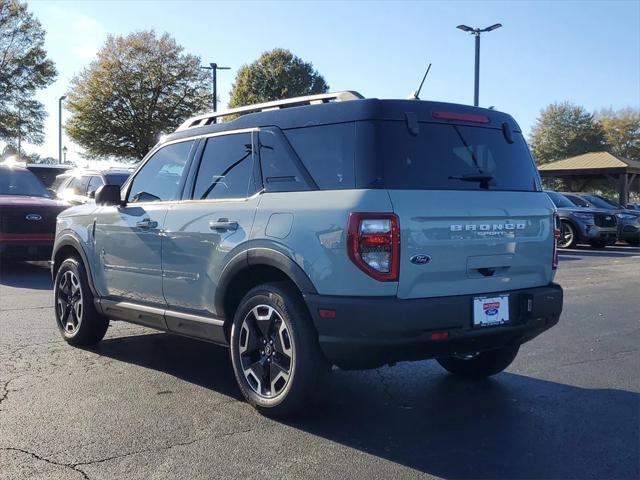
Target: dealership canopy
[578,171]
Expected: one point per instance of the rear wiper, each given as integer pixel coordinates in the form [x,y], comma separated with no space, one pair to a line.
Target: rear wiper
[473,177]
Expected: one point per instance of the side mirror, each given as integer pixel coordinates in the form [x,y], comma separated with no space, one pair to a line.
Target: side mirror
[92,194]
[108,195]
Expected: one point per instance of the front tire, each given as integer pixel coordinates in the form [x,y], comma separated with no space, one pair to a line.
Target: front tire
[568,235]
[77,319]
[275,353]
[481,364]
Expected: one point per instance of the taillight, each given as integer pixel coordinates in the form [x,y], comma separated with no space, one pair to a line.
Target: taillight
[373,243]
[465,117]
[556,236]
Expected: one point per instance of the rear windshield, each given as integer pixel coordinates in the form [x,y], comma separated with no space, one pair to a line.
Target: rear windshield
[601,202]
[560,201]
[21,182]
[454,157]
[116,178]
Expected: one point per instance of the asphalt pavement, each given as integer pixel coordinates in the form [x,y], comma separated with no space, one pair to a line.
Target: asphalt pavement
[144,404]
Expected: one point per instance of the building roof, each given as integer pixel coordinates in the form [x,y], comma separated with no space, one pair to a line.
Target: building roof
[593,161]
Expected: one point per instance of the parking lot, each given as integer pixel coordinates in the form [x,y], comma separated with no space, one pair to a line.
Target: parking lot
[150,405]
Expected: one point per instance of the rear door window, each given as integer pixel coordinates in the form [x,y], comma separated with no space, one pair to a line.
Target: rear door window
[226,168]
[453,157]
[279,170]
[328,153]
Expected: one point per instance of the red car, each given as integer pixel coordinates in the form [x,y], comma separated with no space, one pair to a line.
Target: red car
[27,216]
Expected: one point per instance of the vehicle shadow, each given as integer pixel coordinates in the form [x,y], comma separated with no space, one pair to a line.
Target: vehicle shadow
[511,426]
[616,251]
[26,275]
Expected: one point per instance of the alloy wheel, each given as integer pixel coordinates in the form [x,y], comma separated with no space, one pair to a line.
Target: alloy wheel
[566,235]
[69,303]
[266,351]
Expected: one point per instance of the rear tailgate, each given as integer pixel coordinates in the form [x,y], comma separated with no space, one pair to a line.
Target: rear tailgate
[465,242]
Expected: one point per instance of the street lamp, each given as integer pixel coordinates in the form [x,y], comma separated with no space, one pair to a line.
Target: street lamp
[476,32]
[214,81]
[60,128]
[64,153]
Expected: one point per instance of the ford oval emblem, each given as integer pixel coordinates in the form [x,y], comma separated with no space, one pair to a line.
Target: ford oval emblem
[420,259]
[33,217]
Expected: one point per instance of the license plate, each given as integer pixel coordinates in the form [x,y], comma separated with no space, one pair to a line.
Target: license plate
[490,310]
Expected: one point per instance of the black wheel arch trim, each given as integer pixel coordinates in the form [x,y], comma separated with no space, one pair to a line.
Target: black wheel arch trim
[268,255]
[70,239]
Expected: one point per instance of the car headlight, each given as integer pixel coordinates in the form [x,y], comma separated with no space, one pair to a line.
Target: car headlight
[583,215]
[625,216]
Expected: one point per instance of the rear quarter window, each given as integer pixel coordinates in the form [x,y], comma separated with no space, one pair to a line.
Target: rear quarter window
[327,152]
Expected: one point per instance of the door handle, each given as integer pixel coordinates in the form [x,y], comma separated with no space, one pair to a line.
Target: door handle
[223,224]
[146,224]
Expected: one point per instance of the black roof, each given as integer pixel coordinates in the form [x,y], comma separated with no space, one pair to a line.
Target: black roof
[349,111]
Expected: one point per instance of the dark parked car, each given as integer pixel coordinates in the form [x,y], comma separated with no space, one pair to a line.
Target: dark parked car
[628,219]
[80,187]
[594,226]
[48,173]
[27,216]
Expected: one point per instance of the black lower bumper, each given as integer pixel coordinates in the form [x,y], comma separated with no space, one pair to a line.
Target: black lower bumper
[26,251]
[371,331]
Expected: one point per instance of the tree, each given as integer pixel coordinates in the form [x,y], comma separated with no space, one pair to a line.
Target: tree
[139,86]
[24,69]
[622,131]
[276,75]
[564,130]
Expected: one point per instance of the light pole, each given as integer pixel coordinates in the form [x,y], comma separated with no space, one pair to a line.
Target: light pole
[60,128]
[214,81]
[19,134]
[476,32]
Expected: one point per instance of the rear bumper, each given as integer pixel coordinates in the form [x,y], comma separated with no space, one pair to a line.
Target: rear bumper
[371,331]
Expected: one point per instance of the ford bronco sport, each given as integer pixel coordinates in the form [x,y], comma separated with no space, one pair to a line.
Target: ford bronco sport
[319,231]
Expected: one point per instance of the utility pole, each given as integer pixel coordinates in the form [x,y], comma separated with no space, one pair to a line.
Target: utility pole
[60,128]
[476,32]
[214,81]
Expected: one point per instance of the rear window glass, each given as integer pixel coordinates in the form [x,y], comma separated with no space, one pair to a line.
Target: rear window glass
[453,157]
[328,153]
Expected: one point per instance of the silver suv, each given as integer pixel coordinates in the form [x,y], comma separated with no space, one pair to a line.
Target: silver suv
[319,231]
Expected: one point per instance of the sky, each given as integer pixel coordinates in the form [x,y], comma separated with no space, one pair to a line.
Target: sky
[586,52]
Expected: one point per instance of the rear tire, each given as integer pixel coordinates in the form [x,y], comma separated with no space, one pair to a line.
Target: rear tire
[482,364]
[274,350]
[77,319]
[568,235]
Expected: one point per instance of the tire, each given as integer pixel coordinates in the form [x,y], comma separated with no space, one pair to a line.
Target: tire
[272,328]
[634,242]
[482,364]
[76,317]
[568,235]
[599,244]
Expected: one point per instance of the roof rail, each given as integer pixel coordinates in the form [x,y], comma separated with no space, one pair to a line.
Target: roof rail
[211,118]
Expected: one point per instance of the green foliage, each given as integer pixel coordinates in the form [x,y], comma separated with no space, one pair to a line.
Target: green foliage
[24,69]
[139,87]
[622,131]
[565,130]
[276,75]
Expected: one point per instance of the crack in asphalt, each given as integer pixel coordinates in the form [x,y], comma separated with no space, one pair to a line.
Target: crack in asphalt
[75,466]
[47,460]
